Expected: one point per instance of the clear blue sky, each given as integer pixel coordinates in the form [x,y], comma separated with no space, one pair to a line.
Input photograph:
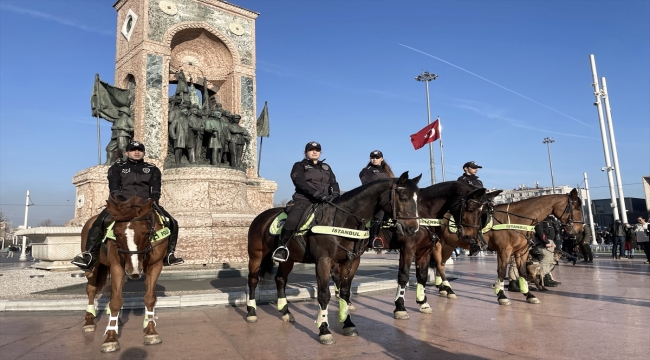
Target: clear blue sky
[335,72]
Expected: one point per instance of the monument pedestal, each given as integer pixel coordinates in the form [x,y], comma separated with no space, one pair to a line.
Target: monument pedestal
[214,208]
[54,246]
[92,193]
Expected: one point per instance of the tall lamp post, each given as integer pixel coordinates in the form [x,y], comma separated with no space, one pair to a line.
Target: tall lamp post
[548,142]
[426,77]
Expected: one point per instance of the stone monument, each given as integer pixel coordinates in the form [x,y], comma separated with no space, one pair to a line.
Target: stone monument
[210,183]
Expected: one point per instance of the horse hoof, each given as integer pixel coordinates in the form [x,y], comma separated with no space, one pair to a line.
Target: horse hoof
[401,315]
[533,300]
[426,310]
[443,293]
[152,339]
[110,347]
[286,318]
[89,328]
[350,331]
[251,319]
[504,301]
[326,339]
[352,308]
[451,296]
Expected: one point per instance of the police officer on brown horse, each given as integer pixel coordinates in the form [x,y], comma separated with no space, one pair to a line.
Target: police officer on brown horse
[128,178]
[376,169]
[315,182]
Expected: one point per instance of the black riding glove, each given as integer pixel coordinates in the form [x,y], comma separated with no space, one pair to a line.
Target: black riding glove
[322,197]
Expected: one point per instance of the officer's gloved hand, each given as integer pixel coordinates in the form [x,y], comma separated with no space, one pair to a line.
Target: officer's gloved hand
[322,197]
[335,196]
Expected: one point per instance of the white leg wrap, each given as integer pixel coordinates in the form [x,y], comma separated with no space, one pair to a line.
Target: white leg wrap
[252,304]
[113,327]
[91,309]
[400,293]
[498,286]
[282,302]
[419,292]
[438,280]
[149,316]
[322,316]
[446,283]
[344,310]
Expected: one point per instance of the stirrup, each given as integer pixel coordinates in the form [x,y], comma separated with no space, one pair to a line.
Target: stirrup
[377,243]
[277,257]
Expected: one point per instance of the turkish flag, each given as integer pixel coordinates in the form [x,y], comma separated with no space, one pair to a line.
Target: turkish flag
[427,135]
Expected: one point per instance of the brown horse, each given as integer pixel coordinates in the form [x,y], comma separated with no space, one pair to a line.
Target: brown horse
[464,202]
[134,249]
[509,241]
[352,210]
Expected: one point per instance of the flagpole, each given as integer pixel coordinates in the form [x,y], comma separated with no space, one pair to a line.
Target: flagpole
[426,77]
[442,156]
[99,141]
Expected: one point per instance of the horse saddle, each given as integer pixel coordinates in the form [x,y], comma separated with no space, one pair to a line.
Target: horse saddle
[159,235]
[277,224]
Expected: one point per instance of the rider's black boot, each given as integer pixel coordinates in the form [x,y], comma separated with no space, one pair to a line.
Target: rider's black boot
[550,282]
[87,259]
[170,259]
[281,254]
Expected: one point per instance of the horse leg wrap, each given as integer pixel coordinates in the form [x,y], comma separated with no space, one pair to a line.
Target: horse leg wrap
[446,283]
[110,327]
[252,304]
[344,310]
[147,318]
[498,286]
[419,293]
[322,316]
[400,293]
[438,280]
[282,302]
[523,285]
[91,309]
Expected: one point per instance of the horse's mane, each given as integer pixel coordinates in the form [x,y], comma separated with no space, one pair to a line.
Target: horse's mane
[349,195]
[442,189]
[538,198]
[125,210]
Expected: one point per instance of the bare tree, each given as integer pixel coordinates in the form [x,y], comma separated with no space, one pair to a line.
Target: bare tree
[47,222]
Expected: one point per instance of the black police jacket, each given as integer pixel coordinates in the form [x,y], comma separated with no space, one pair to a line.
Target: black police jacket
[312,180]
[544,233]
[134,178]
[372,173]
[471,180]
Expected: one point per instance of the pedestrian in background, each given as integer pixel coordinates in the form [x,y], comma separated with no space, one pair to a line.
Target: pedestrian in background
[585,245]
[617,229]
[642,238]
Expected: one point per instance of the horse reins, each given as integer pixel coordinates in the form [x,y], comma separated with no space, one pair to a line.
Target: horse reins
[149,248]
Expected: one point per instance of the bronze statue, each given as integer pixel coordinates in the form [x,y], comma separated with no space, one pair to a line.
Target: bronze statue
[179,131]
[121,135]
[214,127]
[238,139]
[195,137]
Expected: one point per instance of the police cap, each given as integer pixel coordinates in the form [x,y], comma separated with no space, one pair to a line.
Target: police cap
[376,154]
[473,165]
[135,145]
[312,145]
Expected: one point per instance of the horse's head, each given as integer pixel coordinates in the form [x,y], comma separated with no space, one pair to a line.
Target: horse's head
[133,226]
[569,212]
[404,203]
[469,210]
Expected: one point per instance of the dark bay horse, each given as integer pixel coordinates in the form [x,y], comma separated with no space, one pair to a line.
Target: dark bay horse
[506,242]
[139,245]
[352,210]
[465,203]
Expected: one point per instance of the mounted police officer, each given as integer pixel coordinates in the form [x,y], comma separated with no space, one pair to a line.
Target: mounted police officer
[128,178]
[377,168]
[315,182]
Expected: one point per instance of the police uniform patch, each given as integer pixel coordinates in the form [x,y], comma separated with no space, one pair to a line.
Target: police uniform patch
[325,167]
[146,170]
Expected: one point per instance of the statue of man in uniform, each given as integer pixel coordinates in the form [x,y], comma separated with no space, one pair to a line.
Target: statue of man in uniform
[178,131]
[214,128]
[121,135]
[238,139]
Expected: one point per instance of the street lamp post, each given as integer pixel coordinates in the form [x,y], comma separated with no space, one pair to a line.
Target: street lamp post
[548,142]
[426,77]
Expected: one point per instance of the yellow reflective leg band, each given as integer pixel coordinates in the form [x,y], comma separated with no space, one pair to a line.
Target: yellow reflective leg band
[438,280]
[523,285]
[498,286]
[343,310]
[282,302]
[419,292]
[91,309]
[446,283]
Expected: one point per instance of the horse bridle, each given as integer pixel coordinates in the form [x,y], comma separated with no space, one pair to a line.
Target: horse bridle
[152,231]
[459,224]
[569,210]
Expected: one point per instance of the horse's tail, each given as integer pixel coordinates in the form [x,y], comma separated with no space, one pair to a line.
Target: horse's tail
[266,268]
[102,276]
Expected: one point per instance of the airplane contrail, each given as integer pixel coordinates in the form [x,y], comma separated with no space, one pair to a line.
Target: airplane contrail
[501,86]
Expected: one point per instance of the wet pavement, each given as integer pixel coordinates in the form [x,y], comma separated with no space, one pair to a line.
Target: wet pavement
[600,311]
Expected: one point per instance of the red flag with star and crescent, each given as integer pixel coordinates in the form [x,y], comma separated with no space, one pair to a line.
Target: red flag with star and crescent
[427,135]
